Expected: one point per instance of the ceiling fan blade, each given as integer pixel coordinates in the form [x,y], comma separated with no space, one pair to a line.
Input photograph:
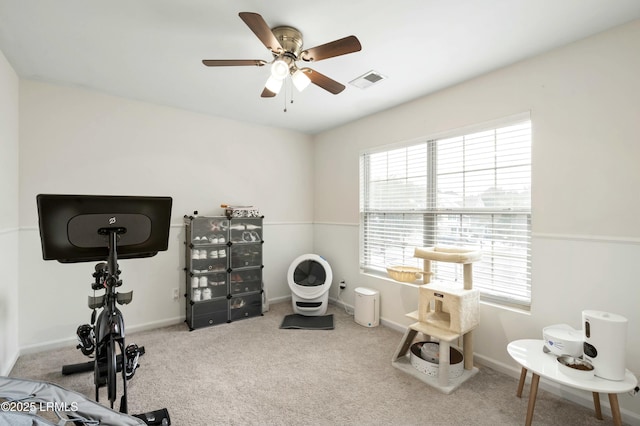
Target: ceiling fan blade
[262,30]
[334,48]
[266,93]
[323,81]
[233,62]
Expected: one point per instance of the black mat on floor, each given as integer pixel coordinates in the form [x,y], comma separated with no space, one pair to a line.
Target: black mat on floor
[302,322]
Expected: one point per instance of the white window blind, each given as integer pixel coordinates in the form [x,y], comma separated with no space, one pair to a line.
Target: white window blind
[471,190]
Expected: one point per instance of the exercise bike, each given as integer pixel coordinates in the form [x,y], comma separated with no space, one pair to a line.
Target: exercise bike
[85,228]
[106,336]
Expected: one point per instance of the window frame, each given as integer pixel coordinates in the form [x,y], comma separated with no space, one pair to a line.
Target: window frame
[521,298]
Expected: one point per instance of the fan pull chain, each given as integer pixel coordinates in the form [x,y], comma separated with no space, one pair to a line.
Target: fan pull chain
[290,90]
[285,96]
[285,99]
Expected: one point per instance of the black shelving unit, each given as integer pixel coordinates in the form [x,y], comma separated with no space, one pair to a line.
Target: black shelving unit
[223,267]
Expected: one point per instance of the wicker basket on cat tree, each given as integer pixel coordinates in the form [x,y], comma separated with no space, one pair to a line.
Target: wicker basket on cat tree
[446,311]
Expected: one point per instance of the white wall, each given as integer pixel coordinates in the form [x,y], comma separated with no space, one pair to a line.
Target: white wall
[78,141]
[9,84]
[583,100]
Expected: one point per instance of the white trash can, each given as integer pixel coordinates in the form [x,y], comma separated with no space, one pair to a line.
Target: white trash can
[367,307]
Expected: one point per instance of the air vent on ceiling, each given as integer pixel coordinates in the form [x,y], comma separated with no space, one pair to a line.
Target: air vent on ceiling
[367,79]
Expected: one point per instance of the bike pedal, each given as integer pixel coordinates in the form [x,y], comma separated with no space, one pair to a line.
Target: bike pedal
[133,353]
[86,338]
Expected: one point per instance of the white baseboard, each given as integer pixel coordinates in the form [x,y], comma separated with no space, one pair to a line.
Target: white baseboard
[347,308]
[274,300]
[48,346]
[387,323]
[6,369]
[72,341]
[156,324]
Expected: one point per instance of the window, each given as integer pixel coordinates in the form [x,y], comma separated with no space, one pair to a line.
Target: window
[465,190]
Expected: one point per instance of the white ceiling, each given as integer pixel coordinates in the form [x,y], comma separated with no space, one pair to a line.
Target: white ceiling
[151,50]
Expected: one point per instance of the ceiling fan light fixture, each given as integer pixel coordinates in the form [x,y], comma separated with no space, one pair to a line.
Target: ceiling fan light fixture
[286,45]
[274,84]
[300,80]
[279,69]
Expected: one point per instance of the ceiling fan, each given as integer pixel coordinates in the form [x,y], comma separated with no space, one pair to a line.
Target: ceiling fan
[285,43]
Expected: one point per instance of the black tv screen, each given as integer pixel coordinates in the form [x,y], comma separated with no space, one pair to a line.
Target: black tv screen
[70,225]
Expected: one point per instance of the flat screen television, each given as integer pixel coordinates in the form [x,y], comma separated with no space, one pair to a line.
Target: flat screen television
[72,226]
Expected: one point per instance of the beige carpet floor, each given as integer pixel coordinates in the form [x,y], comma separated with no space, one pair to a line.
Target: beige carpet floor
[251,372]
